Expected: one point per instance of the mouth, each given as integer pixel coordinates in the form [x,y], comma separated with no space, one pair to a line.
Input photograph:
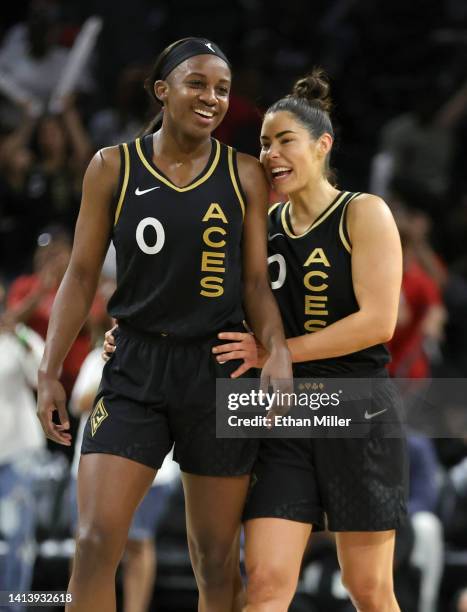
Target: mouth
[280,174]
[207,117]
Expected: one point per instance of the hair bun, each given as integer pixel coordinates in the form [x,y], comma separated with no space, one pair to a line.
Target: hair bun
[314,88]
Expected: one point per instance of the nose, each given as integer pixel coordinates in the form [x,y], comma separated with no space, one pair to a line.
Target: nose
[272,152]
[208,96]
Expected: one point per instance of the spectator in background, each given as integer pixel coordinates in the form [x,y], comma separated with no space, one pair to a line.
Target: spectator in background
[63,150]
[417,150]
[21,440]
[421,317]
[126,118]
[428,550]
[31,56]
[19,221]
[30,298]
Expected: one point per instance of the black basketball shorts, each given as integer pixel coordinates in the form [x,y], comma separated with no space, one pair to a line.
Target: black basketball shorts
[339,483]
[160,390]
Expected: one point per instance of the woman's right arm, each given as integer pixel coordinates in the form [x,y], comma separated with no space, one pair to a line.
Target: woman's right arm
[76,292]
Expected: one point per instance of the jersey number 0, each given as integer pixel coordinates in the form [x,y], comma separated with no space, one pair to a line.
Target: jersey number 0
[160,235]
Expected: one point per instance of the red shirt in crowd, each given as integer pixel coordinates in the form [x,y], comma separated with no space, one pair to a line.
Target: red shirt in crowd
[23,287]
[420,292]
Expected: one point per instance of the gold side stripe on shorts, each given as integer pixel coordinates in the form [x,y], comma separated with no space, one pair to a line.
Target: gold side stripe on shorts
[125,182]
[345,242]
[166,181]
[318,222]
[234,181]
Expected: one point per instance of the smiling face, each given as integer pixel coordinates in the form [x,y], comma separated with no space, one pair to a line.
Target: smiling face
[196,94]
[291,157]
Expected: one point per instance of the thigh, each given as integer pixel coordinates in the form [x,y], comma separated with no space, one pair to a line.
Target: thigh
[214,507]
[109,490]
[366,554]
[275,546]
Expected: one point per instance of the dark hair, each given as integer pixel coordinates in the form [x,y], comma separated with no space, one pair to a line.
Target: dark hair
[310,102]
[164,64]
[149,86]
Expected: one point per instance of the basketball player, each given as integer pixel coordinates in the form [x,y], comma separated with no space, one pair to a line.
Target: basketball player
[336,265]
[184,212]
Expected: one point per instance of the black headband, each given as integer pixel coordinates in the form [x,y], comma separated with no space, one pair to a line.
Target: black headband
[186,49]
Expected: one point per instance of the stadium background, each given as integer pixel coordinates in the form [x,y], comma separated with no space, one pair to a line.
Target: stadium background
[398,71]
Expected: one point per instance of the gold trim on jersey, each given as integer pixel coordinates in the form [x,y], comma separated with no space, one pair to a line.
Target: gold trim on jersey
[316,223]
[345,242]
[234,181]
[125,182]
[273,207]
[166,181]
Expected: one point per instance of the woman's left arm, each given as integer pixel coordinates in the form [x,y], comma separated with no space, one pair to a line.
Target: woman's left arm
[261,309]
[376,276]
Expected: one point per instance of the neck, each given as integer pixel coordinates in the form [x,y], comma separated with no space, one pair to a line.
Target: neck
[172,144]
[308,203]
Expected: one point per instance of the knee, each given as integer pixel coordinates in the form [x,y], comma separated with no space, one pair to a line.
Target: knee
[213,561]
[369,593]
[98,545]
[140,551]
[270,584]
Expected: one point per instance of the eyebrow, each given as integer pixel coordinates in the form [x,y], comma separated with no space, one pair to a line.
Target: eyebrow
[200,74]
[279,134]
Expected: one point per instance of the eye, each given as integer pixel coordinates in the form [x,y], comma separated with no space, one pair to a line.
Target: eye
[286,140]
[196,84]
[223,91]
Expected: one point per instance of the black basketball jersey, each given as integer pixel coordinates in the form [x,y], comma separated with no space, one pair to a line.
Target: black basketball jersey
[178,248]
[312,280]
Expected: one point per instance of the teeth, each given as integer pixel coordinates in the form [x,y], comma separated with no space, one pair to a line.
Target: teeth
[204,113]
[280,169]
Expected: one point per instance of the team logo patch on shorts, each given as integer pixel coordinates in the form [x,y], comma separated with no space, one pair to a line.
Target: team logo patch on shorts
[99,414]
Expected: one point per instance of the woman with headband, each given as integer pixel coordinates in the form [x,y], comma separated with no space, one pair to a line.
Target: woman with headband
[188,219]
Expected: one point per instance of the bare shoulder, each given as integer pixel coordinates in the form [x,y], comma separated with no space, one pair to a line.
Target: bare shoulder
[104,168]
[368,209]
[249,170]
[109,159]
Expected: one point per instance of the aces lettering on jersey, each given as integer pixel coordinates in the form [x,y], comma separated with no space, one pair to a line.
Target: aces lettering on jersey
[314,281]
[213,256]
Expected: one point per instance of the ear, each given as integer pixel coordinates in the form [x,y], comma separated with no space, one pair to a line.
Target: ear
[324,144]
[161,91]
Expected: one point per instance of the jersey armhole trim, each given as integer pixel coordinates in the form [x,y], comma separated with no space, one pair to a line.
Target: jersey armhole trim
[273,207]
[236,179]
[125,163]
[343,231]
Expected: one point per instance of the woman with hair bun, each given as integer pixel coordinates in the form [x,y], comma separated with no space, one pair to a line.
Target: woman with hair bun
[335,266]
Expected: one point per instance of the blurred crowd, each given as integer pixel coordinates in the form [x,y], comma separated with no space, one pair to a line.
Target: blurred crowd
[399,78]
